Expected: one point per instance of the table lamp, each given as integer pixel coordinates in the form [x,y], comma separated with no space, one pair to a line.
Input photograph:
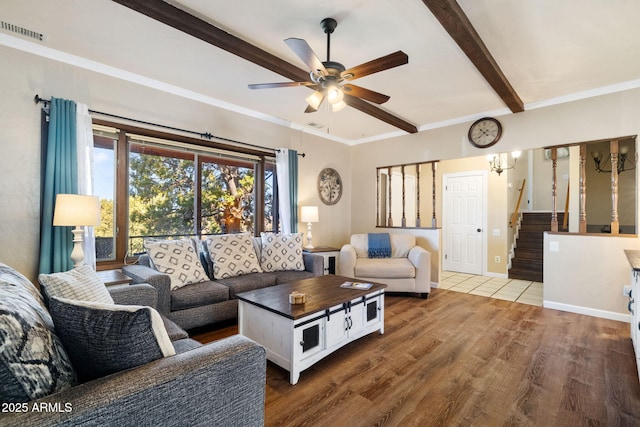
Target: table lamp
[77,211]
[309,214]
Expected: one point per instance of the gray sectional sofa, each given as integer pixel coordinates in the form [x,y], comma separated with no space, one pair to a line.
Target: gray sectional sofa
[221,383]
[213,300]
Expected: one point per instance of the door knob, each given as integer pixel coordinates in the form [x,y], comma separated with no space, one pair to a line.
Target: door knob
[479,230]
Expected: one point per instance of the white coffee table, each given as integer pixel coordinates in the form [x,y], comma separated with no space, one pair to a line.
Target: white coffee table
[296,336]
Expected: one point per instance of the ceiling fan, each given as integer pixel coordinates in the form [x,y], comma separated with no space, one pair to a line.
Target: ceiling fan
[330,80]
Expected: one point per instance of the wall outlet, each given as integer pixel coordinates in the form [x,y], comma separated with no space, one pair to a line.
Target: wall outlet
[626,291]
[496,232]
[496,259]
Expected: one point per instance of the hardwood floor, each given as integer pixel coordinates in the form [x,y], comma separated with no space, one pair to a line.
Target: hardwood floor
[460,359]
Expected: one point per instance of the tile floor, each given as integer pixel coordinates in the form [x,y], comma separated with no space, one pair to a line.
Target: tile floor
[522,291]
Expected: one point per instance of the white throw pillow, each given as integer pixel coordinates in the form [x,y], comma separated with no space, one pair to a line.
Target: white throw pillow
[281,252]
[177,258]
[232,255]
[81,283]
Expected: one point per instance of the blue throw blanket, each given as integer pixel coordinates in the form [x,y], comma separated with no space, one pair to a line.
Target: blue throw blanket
[379,245]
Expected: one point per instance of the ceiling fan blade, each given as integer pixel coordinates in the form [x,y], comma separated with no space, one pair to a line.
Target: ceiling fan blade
[383,63]
[379,113]
[283,84]
[301,48]
[366,94]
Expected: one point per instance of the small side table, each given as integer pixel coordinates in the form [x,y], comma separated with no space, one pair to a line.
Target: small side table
[114,277]
[330,255]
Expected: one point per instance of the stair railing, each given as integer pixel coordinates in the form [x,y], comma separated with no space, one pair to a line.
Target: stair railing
[515,215]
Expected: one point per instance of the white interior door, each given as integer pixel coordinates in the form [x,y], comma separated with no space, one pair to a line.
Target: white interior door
[463,212]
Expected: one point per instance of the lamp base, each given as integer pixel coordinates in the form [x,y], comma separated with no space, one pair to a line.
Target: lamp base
[309,237]
[77,254]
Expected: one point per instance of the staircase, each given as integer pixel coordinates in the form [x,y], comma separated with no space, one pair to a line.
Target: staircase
[527,262]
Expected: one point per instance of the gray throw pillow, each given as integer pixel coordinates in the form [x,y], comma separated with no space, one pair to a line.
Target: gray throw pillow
[102,339]
[33,362]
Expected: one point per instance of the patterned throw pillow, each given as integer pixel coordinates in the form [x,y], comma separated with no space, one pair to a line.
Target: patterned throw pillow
[281,252]
[177,258]
[33,362]
[232,255]
[102,339]
[81,283]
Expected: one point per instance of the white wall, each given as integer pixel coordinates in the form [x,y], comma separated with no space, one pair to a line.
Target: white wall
[587,273]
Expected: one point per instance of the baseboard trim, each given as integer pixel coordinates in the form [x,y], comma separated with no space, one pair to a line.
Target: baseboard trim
[611,315]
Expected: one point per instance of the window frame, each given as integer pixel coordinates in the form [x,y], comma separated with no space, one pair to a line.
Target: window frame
[122,182]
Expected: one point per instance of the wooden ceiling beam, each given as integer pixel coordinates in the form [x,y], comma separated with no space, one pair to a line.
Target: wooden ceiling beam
[457,24]
[379,113]
[196,27]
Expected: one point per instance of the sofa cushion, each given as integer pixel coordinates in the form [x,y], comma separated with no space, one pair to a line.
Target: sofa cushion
[102,339]
[281,252]
[184,345]
[360,243]
[387,268]
[81,283]
[198,294]
[179,259]
[232,255]
[401,244]
[248,282]
[291,276]
[33,361]
[174,331]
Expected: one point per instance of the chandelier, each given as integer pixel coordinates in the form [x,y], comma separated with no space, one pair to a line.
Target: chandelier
[499,162]
[603,163]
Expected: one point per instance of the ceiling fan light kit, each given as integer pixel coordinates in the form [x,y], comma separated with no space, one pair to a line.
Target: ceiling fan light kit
[328,79]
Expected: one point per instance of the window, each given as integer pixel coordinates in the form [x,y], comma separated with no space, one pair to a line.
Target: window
[167,188]
[104,164]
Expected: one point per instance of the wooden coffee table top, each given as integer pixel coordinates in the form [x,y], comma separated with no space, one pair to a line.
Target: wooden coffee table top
[322,292]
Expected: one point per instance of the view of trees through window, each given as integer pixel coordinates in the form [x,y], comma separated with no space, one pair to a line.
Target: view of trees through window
[176,192]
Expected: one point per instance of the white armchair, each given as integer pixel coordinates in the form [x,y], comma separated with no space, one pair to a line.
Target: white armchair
[407,270]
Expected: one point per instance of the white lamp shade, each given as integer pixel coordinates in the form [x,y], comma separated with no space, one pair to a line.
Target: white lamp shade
[76,210]
[315,99]
[338,106]
[309,214]
[334,94]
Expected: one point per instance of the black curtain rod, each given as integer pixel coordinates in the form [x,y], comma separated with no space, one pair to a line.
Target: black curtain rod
[206,135]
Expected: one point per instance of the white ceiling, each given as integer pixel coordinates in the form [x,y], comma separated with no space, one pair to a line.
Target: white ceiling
[550,51]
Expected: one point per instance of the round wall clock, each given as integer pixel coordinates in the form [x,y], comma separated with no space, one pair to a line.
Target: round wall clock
[485,132]
[329,186]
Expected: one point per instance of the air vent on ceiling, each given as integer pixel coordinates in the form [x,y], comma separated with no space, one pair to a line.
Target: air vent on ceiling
[21,31]
[315,125]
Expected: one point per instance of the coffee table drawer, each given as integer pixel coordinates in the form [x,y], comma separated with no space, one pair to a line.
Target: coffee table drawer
[309,338]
